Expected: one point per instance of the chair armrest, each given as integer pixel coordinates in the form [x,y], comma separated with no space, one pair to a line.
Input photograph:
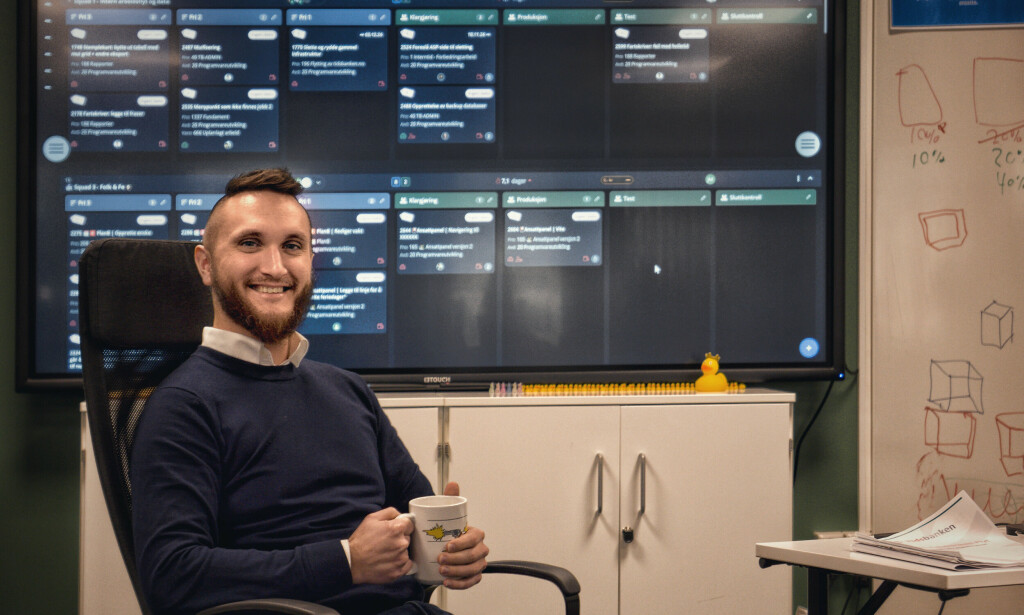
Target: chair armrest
[271,605]
[562,578]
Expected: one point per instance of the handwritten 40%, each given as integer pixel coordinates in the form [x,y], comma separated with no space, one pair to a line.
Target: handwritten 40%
[1009,183]
[924,158]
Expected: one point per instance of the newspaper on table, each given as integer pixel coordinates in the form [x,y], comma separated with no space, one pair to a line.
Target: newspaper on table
[960,536]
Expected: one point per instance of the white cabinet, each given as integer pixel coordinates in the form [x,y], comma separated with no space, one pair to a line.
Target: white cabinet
[532,475]
[712,480]
[558,480]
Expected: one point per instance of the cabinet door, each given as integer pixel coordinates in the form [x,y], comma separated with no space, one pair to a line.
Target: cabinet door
[717,481]
[420,431]
[531,474]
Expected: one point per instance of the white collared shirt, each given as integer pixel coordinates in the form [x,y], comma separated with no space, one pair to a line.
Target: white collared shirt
[249,349]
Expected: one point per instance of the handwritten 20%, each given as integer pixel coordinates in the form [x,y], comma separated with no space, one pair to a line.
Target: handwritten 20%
[924,158]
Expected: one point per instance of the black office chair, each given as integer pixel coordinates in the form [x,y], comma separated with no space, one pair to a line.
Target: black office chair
[142,307]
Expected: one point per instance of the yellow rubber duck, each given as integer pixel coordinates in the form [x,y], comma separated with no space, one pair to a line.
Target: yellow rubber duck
[711,381]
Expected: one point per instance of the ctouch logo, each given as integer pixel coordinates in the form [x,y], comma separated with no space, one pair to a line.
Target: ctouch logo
[437,380]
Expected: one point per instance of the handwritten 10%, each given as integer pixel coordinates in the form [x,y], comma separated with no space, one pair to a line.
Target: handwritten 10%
[923,158]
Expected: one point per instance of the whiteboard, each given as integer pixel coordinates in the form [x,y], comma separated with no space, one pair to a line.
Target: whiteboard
[942,279]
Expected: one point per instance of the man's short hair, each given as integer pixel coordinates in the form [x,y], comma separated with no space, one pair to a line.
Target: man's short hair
[277,180]
[274,180]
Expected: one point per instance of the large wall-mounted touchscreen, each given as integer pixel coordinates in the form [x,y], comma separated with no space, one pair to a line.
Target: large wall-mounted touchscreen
[528,190]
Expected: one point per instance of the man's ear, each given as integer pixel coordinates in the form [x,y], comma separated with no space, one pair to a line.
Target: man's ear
[204,264]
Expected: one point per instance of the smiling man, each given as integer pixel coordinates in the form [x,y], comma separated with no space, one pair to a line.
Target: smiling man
[257,473]
[260,288]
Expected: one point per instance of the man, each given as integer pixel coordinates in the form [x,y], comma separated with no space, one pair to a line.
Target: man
[256,473]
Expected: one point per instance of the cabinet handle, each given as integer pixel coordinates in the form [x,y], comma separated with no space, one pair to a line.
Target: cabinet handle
[643,484]
[628,533]
[600,483]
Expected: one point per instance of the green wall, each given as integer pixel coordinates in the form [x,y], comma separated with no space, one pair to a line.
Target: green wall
[826,487]
[39,449]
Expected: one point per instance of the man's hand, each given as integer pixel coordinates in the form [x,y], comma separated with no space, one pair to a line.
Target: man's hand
[380,548]
[464,558]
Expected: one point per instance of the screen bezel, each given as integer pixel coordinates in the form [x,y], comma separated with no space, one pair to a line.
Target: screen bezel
[29,379]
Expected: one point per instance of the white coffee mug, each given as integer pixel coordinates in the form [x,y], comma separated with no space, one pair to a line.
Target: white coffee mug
[437,519]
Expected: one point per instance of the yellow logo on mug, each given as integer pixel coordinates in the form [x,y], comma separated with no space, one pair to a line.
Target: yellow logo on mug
[438,532]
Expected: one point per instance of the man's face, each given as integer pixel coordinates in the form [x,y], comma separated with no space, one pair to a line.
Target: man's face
[259,262]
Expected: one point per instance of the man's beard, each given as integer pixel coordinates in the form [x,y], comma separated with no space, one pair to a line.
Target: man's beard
[267,329]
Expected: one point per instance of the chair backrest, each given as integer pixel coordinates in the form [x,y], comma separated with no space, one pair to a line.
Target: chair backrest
[142,307]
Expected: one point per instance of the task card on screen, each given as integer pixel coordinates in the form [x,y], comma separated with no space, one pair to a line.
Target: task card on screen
[228,119]
[553,229]
[349,230]
[138,216]
[347,302]
[118,50]
[653,54]
[118,122]
[193,210]
[445,114]
[446,55]
[95,216]
[444,241]
[228,55]
[338,49]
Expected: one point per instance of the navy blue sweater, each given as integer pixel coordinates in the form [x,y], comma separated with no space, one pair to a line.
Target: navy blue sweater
[245,478]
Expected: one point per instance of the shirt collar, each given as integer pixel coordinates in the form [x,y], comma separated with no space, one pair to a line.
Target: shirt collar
[249,349]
